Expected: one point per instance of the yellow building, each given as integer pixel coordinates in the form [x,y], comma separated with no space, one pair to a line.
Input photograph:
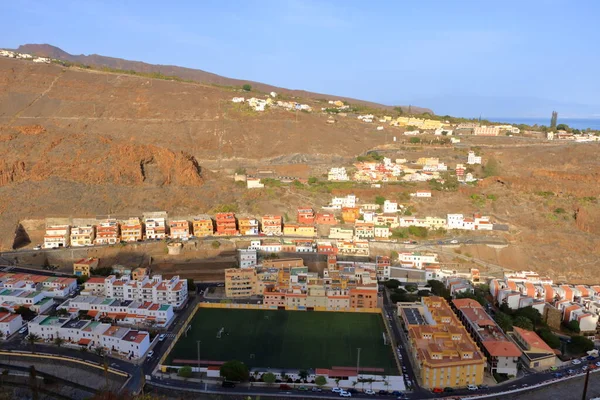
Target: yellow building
[202,226]
[299,230]
[444,353]
[131,230]
[84,266]
[82,236]
[240,282]
[428,161]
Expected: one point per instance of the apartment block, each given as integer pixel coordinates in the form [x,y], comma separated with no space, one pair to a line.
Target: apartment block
[84,266]
[240,282]
[356,247]
[57,236]
[130,312]
[155,228]
[248,226]
[536,353]
[131,230]
[226,224]
[92,334]
[442,350]
[203,226]
[501,353]
[156,290]
[247,258]
[305,216]
[271,225]
[107,232]
[82,236]
[364,230]
[179,229]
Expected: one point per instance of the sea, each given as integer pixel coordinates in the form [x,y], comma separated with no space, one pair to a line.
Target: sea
[577,123]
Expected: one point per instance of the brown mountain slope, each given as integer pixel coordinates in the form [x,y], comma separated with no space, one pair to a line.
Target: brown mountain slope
[196,75]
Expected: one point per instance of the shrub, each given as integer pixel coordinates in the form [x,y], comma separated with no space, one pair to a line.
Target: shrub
[247,87]
[216,244]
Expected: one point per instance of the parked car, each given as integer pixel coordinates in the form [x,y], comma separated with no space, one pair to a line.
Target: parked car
[558,375]
[316,389]
[483,386]
[438,390]
[345,394]
[227,384]
[448,390]
[454,241]
[283,386]
[590,358]
[382,392]
[553,368]
[584,368]
[38,247]
[336,390]
[303,388]
[472,387]
[592,366]
[598,364]
[352,390]
[396,393]
[571,371]
[575,362]
[23,330]
[369,392]
[161,337]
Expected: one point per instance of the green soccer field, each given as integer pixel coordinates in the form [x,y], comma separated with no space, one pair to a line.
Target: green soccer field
[286,339]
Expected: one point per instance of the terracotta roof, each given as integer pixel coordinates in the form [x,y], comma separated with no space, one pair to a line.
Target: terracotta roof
[502,349]
[533,340]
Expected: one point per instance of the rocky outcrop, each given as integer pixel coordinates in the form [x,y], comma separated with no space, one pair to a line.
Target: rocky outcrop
[12,172]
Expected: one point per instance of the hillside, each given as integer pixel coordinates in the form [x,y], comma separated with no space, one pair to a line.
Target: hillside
[196,75]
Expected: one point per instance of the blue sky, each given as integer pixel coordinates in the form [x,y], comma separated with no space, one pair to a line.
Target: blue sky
[466,58]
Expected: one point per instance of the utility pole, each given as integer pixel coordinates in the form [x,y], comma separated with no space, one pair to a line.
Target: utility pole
[358,362]
[585,384]
[200,372]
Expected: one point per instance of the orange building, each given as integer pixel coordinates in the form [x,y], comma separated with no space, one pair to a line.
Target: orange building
[107,232]
[363,298]
[179,229]
[271,224]
[306,215]
[226,224]
[350,214]
[326,219]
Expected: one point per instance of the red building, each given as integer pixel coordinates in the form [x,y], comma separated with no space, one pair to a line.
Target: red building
[326,219]
[306,216]
[226,224]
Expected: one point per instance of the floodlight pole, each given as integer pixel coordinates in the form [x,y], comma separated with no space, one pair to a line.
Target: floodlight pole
[199,371]
[358,363]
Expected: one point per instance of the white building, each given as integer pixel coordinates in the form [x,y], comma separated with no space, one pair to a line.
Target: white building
[254,183]
[455,221]
[155,289]
[421,194]
[10,323]
[129,312]
[443,131]
[417,259]
[339,202]
[473,159]
[46,286]
[155,228]
[247,257]
[92,334]
[338,174]
[390,207]
[57,236]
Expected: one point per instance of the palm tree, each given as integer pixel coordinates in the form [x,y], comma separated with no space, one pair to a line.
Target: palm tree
[99,350]
[32,338]
[303,374]
[59,341]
